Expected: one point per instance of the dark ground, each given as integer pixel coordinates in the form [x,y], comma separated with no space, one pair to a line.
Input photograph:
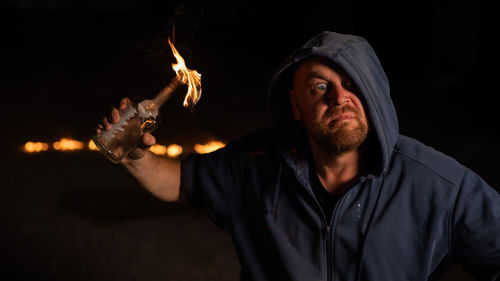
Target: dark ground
[75,216]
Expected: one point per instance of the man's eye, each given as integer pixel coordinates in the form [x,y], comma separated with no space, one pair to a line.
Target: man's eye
[320,87]
[348,84]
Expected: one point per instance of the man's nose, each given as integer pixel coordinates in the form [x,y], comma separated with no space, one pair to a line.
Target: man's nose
[336,96]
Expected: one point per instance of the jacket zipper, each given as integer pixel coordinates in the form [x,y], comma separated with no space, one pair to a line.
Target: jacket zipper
[327,233]
[326,238]
[326,229]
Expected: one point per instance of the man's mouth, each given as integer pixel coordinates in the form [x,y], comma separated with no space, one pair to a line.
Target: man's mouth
[343,116]
[335,115]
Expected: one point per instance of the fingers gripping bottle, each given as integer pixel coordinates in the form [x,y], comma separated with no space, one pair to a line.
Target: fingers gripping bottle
[124,136]
[135,120]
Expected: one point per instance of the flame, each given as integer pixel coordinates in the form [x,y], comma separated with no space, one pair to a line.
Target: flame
[190,77]
[91,145]
[208,147]
[174,150]
[33,147]
[68,144]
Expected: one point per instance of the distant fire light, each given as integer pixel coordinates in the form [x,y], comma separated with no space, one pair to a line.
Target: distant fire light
[66,144]
[174,150]
[158,149]
[91,146]
[208,147]
[33,147]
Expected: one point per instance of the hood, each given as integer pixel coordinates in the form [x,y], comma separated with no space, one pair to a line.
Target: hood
[355,55]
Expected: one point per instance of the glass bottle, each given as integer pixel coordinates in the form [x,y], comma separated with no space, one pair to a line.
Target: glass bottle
[124,136]
[135,120]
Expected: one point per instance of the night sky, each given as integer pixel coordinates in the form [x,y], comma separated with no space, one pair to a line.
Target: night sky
[65,63]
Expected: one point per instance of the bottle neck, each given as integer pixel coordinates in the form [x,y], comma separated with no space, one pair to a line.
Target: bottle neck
[166,92]
[147,108]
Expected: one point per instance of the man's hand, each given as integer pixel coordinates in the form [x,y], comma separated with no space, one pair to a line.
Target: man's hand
[159,175]
[113,117]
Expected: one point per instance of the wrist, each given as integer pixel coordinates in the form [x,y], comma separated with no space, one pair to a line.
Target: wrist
[136,158]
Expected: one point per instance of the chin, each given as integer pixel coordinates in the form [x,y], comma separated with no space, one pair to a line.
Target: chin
[344,140]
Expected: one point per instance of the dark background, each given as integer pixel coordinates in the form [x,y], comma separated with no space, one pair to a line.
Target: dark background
[75,216]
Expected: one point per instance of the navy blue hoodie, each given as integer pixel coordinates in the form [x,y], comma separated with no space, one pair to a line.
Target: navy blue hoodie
[413,213]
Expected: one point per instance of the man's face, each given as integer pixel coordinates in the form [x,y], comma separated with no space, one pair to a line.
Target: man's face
[324,100]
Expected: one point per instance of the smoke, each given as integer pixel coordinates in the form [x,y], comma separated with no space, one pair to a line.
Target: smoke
[185,23]
[195,20]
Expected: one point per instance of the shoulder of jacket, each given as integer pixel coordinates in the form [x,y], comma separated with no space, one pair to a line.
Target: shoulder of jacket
[429,159]
[256,144]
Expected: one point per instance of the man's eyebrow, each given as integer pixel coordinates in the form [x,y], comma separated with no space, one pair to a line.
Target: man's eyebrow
[315,74]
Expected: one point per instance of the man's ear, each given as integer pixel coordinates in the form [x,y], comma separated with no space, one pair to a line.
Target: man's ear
[293,102]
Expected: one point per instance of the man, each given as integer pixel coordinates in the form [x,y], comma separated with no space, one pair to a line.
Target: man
[334,192]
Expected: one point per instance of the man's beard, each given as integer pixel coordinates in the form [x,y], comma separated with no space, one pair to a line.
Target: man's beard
[336,139]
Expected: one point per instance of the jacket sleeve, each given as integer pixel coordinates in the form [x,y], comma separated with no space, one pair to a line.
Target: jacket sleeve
[208,181]
[475,228]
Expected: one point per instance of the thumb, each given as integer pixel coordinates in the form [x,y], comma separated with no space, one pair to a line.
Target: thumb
[147,141]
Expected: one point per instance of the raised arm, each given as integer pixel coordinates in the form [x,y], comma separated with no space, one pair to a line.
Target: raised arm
[159,175]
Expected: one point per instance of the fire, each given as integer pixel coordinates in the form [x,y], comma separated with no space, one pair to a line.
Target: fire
[190,77]
[174,150]
[208,147]
[158,149]
[68,144]
[171,151]
[33,147]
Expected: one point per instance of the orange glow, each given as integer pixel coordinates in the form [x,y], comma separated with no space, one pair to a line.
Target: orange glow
[66,144]
[158,149]
[190,77]
[208,147]
[174,150]
[33,147]
[91,145]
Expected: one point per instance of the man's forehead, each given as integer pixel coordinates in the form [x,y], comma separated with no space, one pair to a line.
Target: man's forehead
[308,63]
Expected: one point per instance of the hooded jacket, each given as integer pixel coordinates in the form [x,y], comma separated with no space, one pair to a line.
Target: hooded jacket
[410,216]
